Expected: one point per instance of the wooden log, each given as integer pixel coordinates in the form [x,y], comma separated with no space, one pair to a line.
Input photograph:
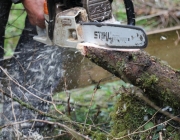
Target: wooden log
[158,80]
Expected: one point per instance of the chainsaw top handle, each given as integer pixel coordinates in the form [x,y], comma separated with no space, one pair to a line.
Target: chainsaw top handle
[130,12]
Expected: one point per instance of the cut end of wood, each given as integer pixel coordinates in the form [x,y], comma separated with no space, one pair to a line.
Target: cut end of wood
[81,48]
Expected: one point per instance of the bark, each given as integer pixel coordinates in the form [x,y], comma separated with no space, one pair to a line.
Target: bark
[159,81]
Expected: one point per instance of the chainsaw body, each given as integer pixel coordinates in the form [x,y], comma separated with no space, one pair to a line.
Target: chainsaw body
[68,25]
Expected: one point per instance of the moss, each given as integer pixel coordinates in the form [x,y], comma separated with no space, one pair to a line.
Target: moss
[99,136]
[168,98]
[120,65]
[177,137]
[129,116]
[134,56]
[149,81]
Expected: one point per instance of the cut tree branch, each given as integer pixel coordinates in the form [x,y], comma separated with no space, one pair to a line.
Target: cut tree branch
[158,80]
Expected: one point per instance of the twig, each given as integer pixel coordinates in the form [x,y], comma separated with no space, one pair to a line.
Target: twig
[146,100]
[160,136]
[60,135]
[146,122]
[61,118]
[68,129]
[150,16]
[16,127]
[178,38]
[33,108]
[29,91]
[68,95]
[60,102]
[95,90]
[144,130]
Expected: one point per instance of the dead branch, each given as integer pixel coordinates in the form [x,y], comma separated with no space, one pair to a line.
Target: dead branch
[28,106]
[68,129]
[159,81]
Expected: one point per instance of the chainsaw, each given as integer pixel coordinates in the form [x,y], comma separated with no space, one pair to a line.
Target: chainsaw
[73,23]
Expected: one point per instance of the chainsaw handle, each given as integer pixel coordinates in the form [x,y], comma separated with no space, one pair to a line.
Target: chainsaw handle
[130,12]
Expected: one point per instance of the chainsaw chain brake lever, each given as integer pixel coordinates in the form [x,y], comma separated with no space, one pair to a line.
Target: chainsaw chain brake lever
[52,13]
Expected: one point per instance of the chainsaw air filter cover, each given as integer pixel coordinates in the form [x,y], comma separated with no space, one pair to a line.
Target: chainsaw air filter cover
[98,10]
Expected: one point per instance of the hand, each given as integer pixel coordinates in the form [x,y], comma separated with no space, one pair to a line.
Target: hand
[35,12]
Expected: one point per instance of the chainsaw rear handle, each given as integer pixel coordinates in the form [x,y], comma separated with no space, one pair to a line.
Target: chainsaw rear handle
[130,12]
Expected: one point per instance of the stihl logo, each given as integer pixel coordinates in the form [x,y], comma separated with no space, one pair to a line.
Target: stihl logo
[107,36]
[102,35]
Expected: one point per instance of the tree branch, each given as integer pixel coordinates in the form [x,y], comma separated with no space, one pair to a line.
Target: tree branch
[159,81]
